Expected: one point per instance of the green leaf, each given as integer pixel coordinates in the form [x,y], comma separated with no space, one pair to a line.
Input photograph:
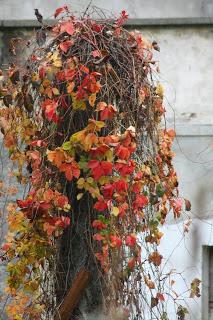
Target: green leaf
[160,190]
[67,145]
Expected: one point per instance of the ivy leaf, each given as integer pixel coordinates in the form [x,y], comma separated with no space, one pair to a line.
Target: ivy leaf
[67,27]
[67,145]
[160,190]
[79,196]
[187,205]
[100,205]
[181,312]
[160,296]
[60,10]
[95,125]
[115,211]
[92,99]
[64,46]
[154,302]
[131,240]
[195,290]
[70,169]
[57,157]
[155,258]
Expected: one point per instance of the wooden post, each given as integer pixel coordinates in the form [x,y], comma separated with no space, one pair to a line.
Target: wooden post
[73,296]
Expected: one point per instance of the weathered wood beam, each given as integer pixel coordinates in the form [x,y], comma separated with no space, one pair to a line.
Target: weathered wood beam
[73,295]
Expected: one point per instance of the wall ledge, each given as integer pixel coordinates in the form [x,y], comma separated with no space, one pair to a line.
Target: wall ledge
[196,21]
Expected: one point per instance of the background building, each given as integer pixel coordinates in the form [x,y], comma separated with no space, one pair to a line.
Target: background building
[184,31]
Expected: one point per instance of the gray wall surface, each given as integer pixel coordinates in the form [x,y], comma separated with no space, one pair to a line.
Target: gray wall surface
[23,9]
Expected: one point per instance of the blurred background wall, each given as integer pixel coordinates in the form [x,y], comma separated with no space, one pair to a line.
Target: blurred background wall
[184,31]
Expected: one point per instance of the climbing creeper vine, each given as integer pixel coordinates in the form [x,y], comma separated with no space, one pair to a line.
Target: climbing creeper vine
[84,109]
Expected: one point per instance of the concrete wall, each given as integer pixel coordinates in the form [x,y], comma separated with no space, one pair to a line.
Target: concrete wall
[23,9]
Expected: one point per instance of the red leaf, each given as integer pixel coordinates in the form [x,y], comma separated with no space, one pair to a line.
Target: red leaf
[6,246]
[160,296]
[60,10]
[123,17]
[107,191]
[99,225]
[108,113]
[97,27]
[50,107]
[61,201]
[115,241]
[93,164]
[140,201]
[101,150]
[99,168]
[38,143]
[131,240]
[24,203]
[64,46]
[98,237]
[120,186]
[100,205]
[49,228]
[96,53]
[67,27]
[62,222]
[122,152]
[131,263]
[69,74]
[125,168]
[106,166]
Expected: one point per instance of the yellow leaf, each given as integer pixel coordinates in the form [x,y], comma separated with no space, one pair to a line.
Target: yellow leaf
[115,211]
[56,59]
[35,77]
[80,183]
[70,87]
[160,90]
[92,99]
[55,91]
[89,140]
[46,82]
[41,89]
[103,180]
[78,104]
[95,125]
[90,180]
[78,137]
[109,155]
[79,196]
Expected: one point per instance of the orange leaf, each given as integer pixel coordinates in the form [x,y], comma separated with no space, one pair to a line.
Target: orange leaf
[56,157]
[70,87]
[92,99]
[70,169]
[155,258]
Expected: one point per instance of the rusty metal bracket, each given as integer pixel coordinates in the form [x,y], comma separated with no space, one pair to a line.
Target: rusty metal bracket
[73,295]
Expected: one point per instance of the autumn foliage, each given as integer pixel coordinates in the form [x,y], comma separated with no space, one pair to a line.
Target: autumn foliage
[83,109]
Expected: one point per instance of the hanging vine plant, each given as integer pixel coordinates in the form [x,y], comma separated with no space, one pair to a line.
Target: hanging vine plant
[82,119]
